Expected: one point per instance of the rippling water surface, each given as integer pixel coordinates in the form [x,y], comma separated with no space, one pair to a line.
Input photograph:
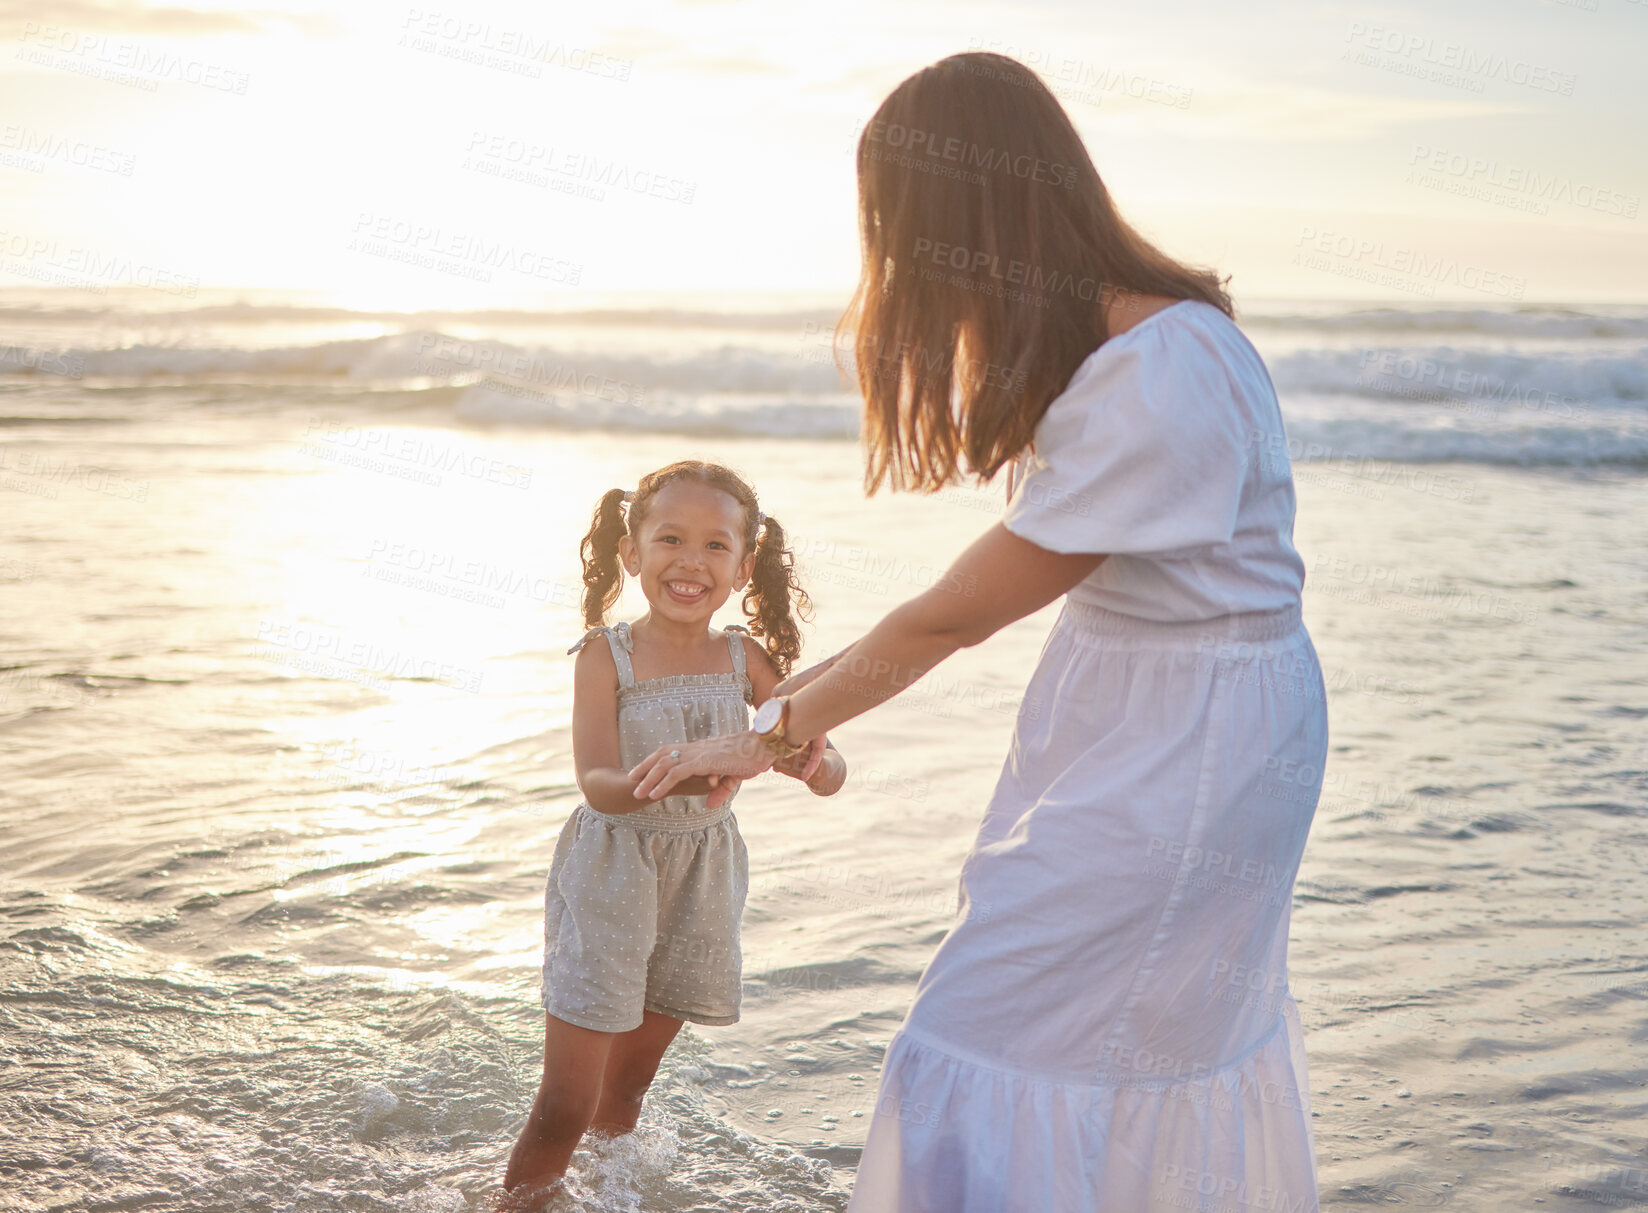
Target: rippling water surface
[286,748]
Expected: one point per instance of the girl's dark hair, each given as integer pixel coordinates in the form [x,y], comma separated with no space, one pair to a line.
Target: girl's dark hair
[990,250]
[774,599]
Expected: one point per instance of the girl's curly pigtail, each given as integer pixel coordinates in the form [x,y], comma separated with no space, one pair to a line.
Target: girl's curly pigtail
[775,600]
[603,578]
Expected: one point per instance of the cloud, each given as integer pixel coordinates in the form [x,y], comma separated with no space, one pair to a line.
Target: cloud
[1293,113]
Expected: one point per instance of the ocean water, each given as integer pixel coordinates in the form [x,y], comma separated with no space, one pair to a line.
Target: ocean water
[286,718]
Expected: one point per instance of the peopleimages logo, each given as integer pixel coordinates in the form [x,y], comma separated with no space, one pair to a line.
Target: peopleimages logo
[122,60]
[977,264]
[1398,266]
[1430,55]
[1488,179]
[965,154]
[1074,79]
[534,163]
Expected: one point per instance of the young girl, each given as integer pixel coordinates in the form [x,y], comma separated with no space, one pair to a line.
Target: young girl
[643,902]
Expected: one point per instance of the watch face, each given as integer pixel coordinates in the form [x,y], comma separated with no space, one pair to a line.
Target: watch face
[767,716]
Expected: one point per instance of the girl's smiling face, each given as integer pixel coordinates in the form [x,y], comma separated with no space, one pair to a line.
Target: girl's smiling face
[689,554]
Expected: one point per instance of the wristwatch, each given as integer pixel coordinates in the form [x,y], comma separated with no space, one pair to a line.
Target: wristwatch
[769,721]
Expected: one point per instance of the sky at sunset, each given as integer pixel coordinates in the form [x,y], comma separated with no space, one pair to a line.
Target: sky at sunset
[406,157]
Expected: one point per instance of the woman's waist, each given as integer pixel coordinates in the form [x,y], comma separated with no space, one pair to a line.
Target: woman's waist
[1092,624]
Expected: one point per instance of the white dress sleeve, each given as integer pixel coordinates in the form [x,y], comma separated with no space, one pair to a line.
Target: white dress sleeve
[1146,451]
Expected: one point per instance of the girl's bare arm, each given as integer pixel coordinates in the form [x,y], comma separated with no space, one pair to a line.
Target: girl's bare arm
[602,778]
[827,779]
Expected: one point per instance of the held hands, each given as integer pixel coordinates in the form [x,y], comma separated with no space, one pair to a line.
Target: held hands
[739,755]
[726,761]
[717,765]
[801,766]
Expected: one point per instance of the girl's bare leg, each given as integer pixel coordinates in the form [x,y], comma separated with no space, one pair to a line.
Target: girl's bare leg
[575,1061]
[631,1065]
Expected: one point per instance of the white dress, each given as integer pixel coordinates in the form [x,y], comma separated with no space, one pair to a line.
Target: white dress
[1107,1025]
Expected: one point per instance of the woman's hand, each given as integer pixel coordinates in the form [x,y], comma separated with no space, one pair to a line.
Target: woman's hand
[739,755]
[692,785]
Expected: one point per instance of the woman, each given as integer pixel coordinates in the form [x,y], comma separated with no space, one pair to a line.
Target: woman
[1107,1026]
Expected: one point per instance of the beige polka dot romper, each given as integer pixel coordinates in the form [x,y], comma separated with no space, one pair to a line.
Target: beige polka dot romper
[642,909]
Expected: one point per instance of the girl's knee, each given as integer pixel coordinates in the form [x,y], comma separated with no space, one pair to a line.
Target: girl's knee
[560,1108]
[629,1081]
[628,1091]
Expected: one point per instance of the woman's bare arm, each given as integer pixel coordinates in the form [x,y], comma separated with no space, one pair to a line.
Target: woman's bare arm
[1000,578]
[795,682]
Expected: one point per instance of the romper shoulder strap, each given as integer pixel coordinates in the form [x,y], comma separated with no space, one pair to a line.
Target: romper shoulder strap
[622,645]
[735,633]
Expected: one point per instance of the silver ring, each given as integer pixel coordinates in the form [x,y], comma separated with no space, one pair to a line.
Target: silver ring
[675,755]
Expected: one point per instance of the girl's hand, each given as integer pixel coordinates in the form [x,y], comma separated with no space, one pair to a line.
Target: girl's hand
[740,755]
[801,766]
[723,786]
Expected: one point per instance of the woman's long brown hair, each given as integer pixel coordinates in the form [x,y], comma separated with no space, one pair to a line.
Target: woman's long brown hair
[990,250]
